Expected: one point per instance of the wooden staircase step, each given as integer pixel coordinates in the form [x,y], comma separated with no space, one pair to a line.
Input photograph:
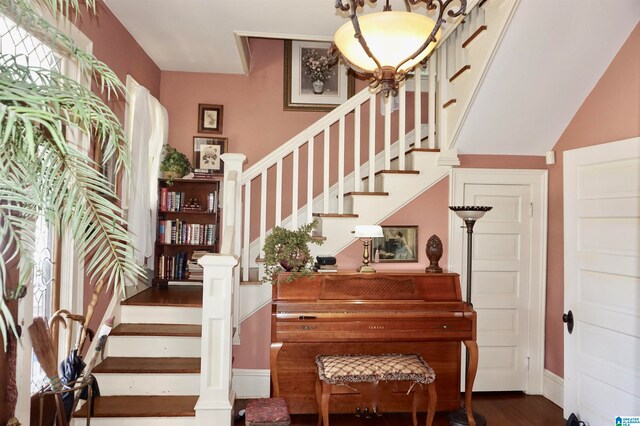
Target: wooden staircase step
[475,34]
[397,172]
[423,150]
[141,406]
[137,365]
[379,194]
[459,73]
[187,296]
[182,330]
[449,103]
[344,215]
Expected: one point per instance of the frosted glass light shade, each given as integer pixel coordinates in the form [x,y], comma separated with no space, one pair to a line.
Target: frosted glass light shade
[391,36]
[367,231]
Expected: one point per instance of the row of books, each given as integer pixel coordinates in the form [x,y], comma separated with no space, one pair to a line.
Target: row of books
[325,268]
[172,267]
[176,201]
[179,232]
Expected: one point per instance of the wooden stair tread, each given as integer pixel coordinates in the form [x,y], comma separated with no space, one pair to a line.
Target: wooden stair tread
[144,365]
[345,215]
[186,296]
[182,330]
[423,150]
[475,34]
[459,73]
[367,193]
[449,103]
[142,406]
[398,172]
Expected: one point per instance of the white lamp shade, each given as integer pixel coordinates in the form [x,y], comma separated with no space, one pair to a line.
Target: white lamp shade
[391,36]
[367,231]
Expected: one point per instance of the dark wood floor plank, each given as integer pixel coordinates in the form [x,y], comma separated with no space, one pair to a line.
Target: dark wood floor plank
[499,408]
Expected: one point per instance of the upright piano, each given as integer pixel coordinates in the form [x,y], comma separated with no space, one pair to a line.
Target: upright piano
[381,313]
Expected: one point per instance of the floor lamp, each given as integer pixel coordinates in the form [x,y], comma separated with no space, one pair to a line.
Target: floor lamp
[469,214]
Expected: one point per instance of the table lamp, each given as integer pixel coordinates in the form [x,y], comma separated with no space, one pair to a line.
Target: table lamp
[366,234]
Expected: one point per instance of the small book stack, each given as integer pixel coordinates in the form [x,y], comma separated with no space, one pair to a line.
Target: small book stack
[325,264]
[194,270]
[204,174]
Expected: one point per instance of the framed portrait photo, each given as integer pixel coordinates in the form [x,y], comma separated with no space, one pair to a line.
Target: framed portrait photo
[207,152]
[210,118]
[398,244]
[311,81]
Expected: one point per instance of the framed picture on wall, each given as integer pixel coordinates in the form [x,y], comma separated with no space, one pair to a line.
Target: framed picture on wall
[210,118]
[311,81]
[207,152]
[398,244]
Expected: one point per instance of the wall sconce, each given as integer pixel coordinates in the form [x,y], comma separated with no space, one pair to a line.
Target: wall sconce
[366,234]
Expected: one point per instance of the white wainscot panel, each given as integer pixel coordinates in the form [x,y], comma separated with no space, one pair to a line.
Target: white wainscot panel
[614,348]
[616,292]
[610,235]
[497,358]
[496,246]
[597,181]
[505,208]
[502,321]
[496,284]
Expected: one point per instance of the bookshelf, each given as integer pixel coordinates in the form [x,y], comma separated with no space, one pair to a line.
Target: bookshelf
[188,226]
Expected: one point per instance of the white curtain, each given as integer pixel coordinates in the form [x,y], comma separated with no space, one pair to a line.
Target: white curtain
[146,126]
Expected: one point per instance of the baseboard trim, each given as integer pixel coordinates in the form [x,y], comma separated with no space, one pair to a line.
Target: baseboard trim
[553,388]
[251,383]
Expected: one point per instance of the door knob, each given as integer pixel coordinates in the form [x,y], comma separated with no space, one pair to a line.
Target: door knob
[568,319]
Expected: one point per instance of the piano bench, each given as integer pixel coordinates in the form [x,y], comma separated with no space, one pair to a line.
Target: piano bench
[362,373]
[267,412]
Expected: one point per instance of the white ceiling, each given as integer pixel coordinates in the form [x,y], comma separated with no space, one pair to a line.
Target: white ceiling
[552,55]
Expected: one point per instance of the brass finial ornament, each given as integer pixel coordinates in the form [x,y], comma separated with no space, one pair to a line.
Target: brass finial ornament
[386,45]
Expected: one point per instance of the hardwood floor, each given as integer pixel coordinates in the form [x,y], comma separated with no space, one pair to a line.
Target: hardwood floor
[499,408]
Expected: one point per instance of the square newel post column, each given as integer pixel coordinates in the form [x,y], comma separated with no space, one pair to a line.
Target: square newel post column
[215,405]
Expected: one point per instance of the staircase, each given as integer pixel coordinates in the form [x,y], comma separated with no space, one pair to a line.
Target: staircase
[151,373]
[353,166]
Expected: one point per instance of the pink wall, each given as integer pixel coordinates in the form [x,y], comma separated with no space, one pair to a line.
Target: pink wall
[113,45]
[611,112]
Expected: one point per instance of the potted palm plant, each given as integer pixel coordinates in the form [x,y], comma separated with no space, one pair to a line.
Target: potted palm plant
[44,175]
[288,250]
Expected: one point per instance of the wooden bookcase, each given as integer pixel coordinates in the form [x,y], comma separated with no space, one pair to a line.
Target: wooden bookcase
[188,221]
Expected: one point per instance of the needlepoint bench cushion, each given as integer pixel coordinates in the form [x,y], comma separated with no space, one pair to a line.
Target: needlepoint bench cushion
[337,369]
[267,412]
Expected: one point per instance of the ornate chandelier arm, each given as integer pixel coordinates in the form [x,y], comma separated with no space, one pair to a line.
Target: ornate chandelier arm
[431,5]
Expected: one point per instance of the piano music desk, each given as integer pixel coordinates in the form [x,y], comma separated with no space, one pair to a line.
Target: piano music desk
[352,313]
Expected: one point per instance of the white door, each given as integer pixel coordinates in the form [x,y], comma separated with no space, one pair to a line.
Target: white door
[602,281]
[507,279]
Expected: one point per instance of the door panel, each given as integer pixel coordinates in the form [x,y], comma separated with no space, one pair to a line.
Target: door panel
[509,254]
[602,281]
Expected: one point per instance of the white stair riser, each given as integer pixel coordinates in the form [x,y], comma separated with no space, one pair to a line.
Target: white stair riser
[160,315]
[153,346]
[148,384]
[136,421]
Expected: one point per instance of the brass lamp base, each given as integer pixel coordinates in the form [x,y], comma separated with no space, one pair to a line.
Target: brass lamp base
[366,269]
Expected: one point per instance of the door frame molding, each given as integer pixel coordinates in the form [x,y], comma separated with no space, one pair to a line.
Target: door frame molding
[537,179]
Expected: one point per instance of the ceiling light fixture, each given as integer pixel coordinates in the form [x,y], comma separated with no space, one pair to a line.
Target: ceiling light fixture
[386,45]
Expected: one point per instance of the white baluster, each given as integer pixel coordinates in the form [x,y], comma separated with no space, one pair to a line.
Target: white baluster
[341,165]
[402,94]
[372,142]
[263,210]
[325,180]
[357,181]
[387,131]
[417,117]
[431,111]
[310,180]
[294,189]
[246,242]
[279,192]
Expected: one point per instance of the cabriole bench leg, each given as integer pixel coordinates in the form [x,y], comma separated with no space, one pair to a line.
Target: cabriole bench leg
[433,400]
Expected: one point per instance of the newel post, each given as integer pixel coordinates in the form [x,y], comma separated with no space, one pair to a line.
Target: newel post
[215,405]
